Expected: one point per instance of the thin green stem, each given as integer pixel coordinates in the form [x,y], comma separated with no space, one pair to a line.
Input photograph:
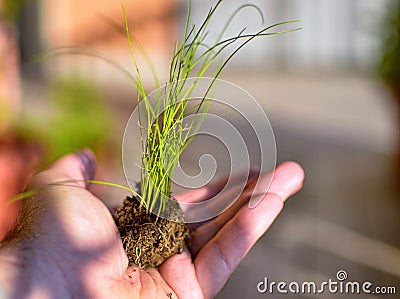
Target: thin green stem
[166,136]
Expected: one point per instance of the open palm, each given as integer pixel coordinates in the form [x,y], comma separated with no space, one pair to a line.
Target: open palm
[67,245]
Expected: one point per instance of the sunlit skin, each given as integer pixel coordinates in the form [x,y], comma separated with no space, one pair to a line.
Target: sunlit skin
[69,246]
[17,161]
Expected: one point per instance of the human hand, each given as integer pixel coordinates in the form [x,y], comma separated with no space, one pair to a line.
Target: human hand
[67,245]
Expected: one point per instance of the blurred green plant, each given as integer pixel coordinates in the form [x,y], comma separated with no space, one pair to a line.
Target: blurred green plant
[389,67]
[79,118]
[5,113]
[9,9]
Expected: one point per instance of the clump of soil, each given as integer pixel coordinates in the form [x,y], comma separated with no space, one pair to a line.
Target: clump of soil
[149,240]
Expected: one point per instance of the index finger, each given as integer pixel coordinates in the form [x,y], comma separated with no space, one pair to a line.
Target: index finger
[286,181]
[210,190]
[231,244]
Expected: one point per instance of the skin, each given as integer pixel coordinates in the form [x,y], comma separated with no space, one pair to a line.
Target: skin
[67,245]
[17,163]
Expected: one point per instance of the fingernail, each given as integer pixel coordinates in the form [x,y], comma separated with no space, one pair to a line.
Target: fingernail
[88,161]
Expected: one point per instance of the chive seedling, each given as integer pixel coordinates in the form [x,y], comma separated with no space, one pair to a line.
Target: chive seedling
[164,138]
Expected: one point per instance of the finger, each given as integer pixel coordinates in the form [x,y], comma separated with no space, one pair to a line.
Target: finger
[284,181]
[179,273]
[201,233]
[73,169]
[229,246]
[225,251]
[210,190]
[287,180]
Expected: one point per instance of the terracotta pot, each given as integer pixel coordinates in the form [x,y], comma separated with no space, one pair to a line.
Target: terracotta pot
[9,75]
[18,160]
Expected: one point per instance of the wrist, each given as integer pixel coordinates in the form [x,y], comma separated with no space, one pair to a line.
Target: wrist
[26,271]
[12,260]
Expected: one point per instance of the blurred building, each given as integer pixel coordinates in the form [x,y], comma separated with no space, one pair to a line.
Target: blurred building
[97,28]
[336,36]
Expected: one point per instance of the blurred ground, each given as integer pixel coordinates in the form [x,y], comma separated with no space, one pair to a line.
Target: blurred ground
[341,129]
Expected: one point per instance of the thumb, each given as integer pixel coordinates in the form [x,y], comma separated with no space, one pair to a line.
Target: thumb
[75,168]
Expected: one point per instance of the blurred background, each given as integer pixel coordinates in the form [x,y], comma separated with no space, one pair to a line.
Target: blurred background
[331,92]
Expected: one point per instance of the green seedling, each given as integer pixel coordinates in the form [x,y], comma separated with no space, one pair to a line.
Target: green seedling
[166,137]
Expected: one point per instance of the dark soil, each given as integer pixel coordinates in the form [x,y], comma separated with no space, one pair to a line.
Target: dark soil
[149,240]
